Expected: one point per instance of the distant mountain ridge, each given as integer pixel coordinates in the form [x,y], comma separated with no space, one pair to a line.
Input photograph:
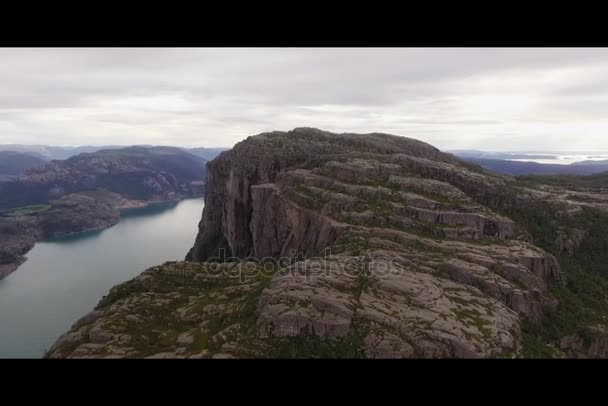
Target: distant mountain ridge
[48,152]
[139,173]
[516,168]
[15,163]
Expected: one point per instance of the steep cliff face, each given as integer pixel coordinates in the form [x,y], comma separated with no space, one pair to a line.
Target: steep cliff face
[355,245]
[260,159]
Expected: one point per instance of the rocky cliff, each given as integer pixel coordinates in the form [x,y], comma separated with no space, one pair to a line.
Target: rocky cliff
[341,245]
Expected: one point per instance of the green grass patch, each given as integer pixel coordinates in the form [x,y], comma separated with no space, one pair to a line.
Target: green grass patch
[31,209]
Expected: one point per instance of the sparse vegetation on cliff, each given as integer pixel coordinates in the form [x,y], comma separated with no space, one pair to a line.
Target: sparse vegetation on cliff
[582,293]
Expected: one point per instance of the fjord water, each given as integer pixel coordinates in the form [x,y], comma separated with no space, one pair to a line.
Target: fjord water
[65,278]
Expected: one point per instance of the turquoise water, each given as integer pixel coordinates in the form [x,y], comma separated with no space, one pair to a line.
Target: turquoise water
[63,279]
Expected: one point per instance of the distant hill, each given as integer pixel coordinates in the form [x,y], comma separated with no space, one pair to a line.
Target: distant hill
[15,163]
[51,152]
[516,168]
[592,163]
[208,154]
[139,173]
[48,152]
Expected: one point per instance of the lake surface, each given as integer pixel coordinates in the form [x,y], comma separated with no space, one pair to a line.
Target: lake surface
[63,279]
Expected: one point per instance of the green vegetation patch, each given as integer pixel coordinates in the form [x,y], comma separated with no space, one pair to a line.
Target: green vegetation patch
[583,291]
[315,346]
[214,305]
[31,209]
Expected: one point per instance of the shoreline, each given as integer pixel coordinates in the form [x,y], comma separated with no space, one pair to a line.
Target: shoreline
[8,268]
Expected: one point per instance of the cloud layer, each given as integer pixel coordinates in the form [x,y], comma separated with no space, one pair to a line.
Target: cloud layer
[493,99]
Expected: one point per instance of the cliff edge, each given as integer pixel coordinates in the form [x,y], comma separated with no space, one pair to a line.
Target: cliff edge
[321,244]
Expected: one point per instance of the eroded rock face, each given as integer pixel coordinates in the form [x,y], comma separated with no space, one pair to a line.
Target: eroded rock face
[591,343]
[386,247]
[196,310]
[397,312]
[259,160]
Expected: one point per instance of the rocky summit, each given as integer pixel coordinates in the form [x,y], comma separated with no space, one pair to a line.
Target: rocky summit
[315,244]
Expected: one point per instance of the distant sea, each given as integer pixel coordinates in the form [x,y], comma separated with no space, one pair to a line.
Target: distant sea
[562,159]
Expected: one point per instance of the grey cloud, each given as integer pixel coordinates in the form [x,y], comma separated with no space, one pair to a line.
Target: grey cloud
[215,97]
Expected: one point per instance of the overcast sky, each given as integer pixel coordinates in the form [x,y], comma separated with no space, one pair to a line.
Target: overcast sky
[490,99]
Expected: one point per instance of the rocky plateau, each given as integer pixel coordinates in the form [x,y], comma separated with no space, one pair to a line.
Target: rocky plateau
[315,244]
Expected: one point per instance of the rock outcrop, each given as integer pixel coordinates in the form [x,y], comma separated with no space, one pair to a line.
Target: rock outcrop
[77,213]
[18,235]
[360,245]
[592,342]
